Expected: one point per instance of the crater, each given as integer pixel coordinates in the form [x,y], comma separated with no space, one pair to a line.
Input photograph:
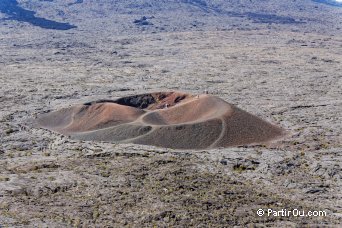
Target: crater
[166,119]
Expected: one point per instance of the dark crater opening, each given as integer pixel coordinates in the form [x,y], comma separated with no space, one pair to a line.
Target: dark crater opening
[141,101]
[151,101]
[137,101]
[179,98]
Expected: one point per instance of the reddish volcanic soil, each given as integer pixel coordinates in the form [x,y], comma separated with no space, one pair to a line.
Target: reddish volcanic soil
[171,119]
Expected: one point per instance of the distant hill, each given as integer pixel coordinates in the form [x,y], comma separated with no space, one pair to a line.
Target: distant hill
[124,16]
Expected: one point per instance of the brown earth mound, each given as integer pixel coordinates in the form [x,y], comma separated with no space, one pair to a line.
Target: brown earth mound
[171,119]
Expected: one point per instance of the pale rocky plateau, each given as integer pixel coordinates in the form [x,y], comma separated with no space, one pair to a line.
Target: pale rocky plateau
[279,60]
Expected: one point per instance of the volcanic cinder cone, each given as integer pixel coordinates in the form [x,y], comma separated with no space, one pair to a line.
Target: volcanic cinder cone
[167,119]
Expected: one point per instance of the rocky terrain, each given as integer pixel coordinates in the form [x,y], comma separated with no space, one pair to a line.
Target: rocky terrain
[279,60]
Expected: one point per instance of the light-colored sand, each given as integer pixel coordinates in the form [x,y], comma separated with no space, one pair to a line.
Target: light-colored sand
[173,119]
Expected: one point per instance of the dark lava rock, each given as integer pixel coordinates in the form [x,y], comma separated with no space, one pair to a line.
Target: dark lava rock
[143,21]
[15,12]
